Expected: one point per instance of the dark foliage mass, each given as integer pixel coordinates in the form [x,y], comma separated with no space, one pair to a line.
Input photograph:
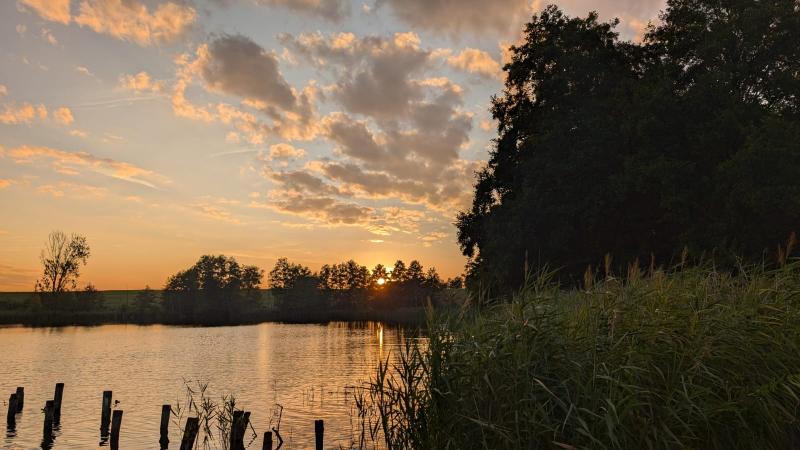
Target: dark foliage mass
[690,138]
[216,289]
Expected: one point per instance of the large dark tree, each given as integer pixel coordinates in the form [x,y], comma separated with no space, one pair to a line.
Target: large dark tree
[689,139]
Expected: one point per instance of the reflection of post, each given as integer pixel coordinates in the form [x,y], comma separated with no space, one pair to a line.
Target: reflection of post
[59,394]
[47,432]
[116,423]
[190,433]
[105,415]
[11,416]
[166,410]
[319,432]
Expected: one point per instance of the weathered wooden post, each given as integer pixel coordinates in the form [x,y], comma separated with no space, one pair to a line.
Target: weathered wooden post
[116,423]
[47,432]
[105,414]
[20,398]
[235,437]
[190,433]
[166,410]
[11,416]
[267,441]
[59,394]
[319,432]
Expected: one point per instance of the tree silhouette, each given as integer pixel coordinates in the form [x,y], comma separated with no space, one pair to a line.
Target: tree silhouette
[688,139]
[62,259]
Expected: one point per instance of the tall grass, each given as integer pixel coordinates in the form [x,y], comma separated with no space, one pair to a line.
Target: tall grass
[695,359]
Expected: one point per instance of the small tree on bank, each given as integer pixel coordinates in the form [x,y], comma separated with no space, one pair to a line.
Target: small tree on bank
[62,259]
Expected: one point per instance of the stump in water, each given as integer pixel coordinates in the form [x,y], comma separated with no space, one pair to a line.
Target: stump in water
[116,423]
[190,433]
[20,398]
[11,416]
[47,432]
[59,394]
[319,432]
[166,410]
[267,441]
[239,424]
[105,413]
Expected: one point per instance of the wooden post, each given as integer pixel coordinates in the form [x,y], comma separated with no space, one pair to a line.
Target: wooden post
[267,441]
[11,416]
[166,410]
[319,432]
[47,432]
[234,440]
[190,433]
[116,423]
[105,413]
[20,398]
[59,394]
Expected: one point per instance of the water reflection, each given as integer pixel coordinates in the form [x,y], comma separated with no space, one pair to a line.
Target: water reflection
[287,375]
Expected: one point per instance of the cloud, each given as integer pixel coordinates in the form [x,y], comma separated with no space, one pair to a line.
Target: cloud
[50,10]
[333,10]
[236,65]
[75,190]
[47,35]
[321,209]
[476,61]
[284,152]
[5,182]
[84,71]
[214,212]
[3,90]
[141,82]
[63,116]
[71,162]
[457,17]
[26,113]
[79,133]
[131,20]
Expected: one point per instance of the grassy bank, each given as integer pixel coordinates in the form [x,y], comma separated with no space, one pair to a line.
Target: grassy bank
[693,359]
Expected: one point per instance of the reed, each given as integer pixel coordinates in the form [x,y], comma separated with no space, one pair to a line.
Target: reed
[689,358]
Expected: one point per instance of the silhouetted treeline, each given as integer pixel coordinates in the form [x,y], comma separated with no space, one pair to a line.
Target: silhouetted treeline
[350,285]
[689,138]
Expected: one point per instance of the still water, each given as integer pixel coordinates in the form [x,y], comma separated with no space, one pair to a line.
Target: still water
[309,370]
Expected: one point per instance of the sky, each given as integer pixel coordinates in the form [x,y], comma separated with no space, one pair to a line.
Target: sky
[317,130]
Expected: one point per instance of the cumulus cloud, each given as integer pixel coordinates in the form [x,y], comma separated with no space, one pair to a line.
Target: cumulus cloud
[334,10]
[51,10]
[141,82]
[71,163]
[47,35]
[63,116]
[24,113]
[473,60]
[133,21]
[3,90]
[236,65]
[285,152]
[5,182]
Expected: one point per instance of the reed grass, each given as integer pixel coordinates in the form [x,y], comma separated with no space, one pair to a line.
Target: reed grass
[691,358]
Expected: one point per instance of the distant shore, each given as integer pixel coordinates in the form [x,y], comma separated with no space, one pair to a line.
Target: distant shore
[119,307]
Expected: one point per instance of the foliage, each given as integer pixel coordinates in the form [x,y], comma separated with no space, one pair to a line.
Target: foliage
[61,259]
[689,138]
[693,359]
[285,274]
[214,289]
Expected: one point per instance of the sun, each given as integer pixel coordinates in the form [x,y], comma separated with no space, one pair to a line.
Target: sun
[381,281]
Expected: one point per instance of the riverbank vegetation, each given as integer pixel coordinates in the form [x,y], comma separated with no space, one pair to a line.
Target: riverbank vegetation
[694,358]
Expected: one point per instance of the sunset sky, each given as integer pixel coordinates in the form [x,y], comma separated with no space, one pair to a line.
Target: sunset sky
[318,130]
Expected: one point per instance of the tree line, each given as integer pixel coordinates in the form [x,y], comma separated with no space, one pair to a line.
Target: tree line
[218,289]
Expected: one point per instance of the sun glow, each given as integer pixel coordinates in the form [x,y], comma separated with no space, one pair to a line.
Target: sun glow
[381,281]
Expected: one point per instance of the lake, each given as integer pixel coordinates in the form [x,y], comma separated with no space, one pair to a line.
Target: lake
[306,369]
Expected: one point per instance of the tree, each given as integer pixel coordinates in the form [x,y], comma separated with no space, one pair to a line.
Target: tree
[399,271]
[213,290]
[415,272]
[432,281]
[146,303]
[637,150]
[379,272]
[62,259]
[285,274]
